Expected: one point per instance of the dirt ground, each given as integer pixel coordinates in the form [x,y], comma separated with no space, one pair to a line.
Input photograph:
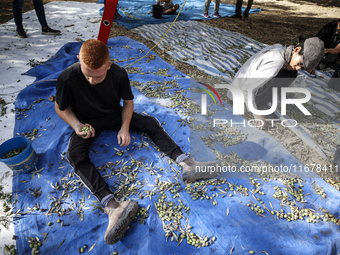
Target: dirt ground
[280,21]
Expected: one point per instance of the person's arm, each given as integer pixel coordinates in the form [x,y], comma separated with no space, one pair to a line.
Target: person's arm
[123,136]
[256,79]
[69,117]
[333,51]
[260,121]
[255,74]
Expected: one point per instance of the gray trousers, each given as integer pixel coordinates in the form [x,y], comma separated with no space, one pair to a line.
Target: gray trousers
[207,4]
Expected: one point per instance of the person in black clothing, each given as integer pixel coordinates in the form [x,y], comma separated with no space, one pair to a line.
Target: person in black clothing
[88,95]
[40,11]
[334,82]
[336,156]
[238,11]
[330,35]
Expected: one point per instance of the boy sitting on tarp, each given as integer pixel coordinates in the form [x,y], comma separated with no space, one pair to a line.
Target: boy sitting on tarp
[88,99]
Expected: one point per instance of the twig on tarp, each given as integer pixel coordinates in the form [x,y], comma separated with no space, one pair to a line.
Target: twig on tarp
[61,243]
[92,247]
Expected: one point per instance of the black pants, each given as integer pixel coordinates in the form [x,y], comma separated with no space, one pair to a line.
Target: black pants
[78,148]
[239,7]
[334,82]
[336,161]
[265,94]
[39,10]
[330,59]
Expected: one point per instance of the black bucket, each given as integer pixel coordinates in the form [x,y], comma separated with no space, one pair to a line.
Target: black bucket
[157,11]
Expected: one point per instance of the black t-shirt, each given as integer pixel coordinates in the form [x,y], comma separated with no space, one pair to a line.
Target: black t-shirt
[328,34]
[92,101]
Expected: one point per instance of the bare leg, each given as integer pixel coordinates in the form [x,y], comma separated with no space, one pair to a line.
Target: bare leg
[172,9]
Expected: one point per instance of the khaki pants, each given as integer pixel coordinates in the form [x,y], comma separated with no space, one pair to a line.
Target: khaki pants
[207,4]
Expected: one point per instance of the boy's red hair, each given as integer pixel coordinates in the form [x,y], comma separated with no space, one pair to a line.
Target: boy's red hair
[94,53]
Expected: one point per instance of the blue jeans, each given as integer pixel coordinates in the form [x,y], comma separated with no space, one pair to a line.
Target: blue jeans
[39,10]
[239,6]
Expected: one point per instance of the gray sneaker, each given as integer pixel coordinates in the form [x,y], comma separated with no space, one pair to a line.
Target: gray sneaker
[194,170]
[21,33]
[119,220]
[49,31]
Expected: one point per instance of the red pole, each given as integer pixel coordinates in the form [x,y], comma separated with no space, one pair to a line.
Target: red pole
[107,19]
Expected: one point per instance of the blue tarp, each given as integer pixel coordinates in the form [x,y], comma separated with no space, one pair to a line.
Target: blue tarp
[229,225]
[136,13]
